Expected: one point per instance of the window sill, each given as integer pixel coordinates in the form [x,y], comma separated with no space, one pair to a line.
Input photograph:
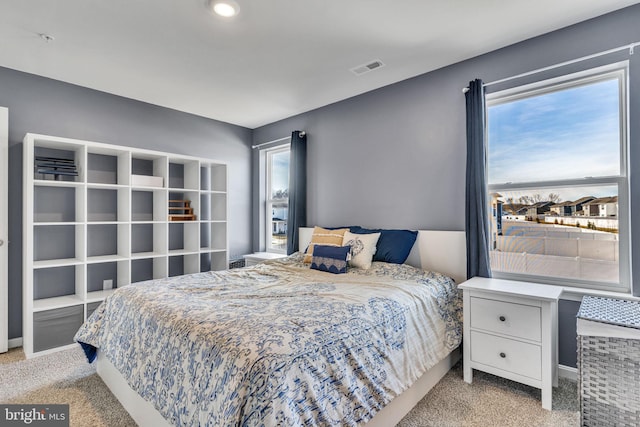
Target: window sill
[575,294]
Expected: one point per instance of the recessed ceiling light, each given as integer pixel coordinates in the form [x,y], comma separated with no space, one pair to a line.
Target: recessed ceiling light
[225,8]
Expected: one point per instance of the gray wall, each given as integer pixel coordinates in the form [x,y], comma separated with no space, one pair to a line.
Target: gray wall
[50,107]
[395,157]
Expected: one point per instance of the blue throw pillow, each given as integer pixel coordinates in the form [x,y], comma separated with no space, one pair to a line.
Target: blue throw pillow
[393,246]
[332,259]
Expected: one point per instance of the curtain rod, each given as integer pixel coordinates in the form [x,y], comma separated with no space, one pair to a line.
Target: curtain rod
[302,133]
[562,64]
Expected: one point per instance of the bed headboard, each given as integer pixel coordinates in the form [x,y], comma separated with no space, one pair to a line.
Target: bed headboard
[441,251]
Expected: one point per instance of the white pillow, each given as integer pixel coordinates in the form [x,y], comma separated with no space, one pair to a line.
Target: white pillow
[363,246]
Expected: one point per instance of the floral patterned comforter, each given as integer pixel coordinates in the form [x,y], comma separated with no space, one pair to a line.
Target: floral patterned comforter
[277,343]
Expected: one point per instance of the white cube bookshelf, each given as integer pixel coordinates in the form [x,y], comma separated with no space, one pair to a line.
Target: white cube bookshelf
[102,228]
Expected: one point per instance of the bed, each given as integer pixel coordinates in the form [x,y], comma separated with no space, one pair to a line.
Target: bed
[293,346]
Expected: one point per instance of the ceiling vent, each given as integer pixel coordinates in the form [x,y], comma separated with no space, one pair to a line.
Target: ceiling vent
[365,68]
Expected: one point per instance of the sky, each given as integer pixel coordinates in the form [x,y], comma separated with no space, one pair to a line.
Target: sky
[280,171]
[573,133]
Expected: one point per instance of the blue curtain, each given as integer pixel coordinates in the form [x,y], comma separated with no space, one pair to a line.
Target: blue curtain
[476,209]
[297,216]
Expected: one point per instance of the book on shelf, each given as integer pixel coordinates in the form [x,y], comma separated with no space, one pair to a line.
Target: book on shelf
[55,167]
[54,160]
[57,172]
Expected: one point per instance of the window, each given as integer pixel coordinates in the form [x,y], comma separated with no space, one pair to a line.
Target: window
[277,197]
[557,180]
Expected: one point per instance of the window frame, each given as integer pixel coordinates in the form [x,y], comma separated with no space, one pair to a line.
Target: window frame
[619,71]
[269,201]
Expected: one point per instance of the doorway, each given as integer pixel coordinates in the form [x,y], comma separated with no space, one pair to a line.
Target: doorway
[4,228]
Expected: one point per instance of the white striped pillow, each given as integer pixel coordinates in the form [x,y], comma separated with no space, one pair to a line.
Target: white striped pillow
[323,236]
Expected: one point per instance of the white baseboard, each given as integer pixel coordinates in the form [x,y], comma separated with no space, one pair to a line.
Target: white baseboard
[15,342]
[568,372]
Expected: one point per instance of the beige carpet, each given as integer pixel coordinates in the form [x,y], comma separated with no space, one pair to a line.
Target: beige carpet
[492,401]
[62,377]
[65,377]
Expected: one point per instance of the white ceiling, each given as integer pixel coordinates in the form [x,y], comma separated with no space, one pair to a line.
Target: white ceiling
[277,58]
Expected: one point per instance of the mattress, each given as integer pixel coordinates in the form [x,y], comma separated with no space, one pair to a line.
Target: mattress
[277,343]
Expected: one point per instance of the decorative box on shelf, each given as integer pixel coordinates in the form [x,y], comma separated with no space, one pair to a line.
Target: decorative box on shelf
[181,210]
[609,361]
[146,181]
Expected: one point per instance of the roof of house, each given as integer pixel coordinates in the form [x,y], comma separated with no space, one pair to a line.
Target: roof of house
[581,201]
[604,200]
[541,204]
[561,204]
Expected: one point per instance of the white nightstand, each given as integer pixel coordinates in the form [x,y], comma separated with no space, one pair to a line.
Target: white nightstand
[511,330]
[258,257]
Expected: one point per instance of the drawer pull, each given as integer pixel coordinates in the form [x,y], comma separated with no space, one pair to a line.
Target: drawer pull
[503,355]
[502,318]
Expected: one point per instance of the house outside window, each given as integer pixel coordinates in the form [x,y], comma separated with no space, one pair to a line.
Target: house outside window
[277,199]
[557,180]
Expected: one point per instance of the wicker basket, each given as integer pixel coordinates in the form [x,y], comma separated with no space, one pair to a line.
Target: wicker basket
[609,362]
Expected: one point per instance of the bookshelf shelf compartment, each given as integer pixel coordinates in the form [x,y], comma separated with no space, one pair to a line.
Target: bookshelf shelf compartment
[213,260]
[149,165]
[148,238]
[107,204]
[183,206]
[56,327]
[116,271]
[58,163]
[213,235]
[184,236]
[102,225]
[107,240]
[148,268]
[108,167]
[183,174]
[63,281]
[148,205]
[184,264]
[58,243]
[218,206]
[218,177]
[57,204]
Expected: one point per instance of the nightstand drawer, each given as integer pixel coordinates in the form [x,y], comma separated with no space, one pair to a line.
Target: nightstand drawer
[506,318]
[508,355]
